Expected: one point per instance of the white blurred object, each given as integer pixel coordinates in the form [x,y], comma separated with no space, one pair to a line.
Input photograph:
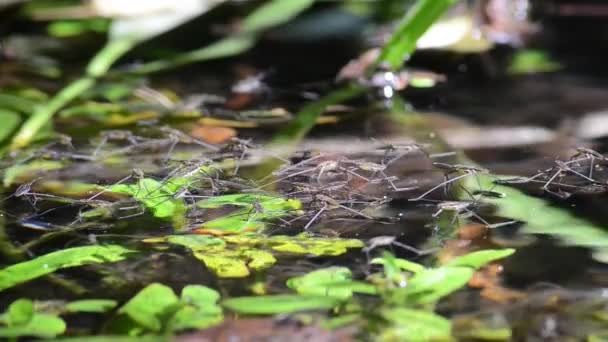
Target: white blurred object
[143,19]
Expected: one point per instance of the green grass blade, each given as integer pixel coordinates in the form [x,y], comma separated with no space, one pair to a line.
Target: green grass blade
[416,21]
[48,263]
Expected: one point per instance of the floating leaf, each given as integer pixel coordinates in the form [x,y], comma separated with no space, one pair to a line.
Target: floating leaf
[150,307]
[23,172]
[255,208]
[414,325]
[532,61]
[477,260]
[200,309]
[332,282]
[155,196]
[40,325]
[540,217]
[91,305]
[48,263]
[278,304]
[20,312]
[235,256]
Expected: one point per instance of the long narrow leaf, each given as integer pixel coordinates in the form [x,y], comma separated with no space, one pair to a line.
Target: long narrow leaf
[416,21]
[48,263]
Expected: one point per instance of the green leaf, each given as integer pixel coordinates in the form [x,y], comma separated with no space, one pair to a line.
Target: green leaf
[199,296]
[10,120]
[306,118]
[20,312]
[40,325]
[540,217]
[413,25]
[532,61]
[414,325]
[332,282]
[200,311]
[398,264]
[48,263]
[433,284]
[151,306]
[278,304]
[91,305]
[155,196]
[23,172]
[477,260]
[256,208]
[274,13]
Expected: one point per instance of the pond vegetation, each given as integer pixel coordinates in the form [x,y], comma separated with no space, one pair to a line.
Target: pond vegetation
[303,170]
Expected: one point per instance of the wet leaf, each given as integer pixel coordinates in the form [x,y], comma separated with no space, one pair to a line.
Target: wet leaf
[433,284]
[540,217]
[413,25]
[20,173]
[278,304]
[477,260]
[91,305]
[532,61]
[397,264]
[305,244]
[235,256]
[414,325]
[20,312]
[155,196]
[10,120]
[200,309]
[40,325]
[274,13]
[151,306]
[48,263]
[332,282]
[256,208]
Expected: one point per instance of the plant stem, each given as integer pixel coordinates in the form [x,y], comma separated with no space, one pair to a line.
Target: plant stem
[97,67]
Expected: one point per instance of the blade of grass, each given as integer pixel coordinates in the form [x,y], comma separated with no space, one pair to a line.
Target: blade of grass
[416,21]
[272,13]
[98,66]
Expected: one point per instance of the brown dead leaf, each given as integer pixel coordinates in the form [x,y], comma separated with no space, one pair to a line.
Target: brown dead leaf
[213,134]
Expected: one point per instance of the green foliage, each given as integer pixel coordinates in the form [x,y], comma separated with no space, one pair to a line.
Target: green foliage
[21,320]
[278,304]
[416,21]
[155,196]
[255,208]
[91,305]
[21,173]
[478,259]
[157,309]
[236,256]
[414,325]
[10,120]
[48,263]
[540,217]
[272,13]
[333,282]
[151,306]
[532,61]
[71,28]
